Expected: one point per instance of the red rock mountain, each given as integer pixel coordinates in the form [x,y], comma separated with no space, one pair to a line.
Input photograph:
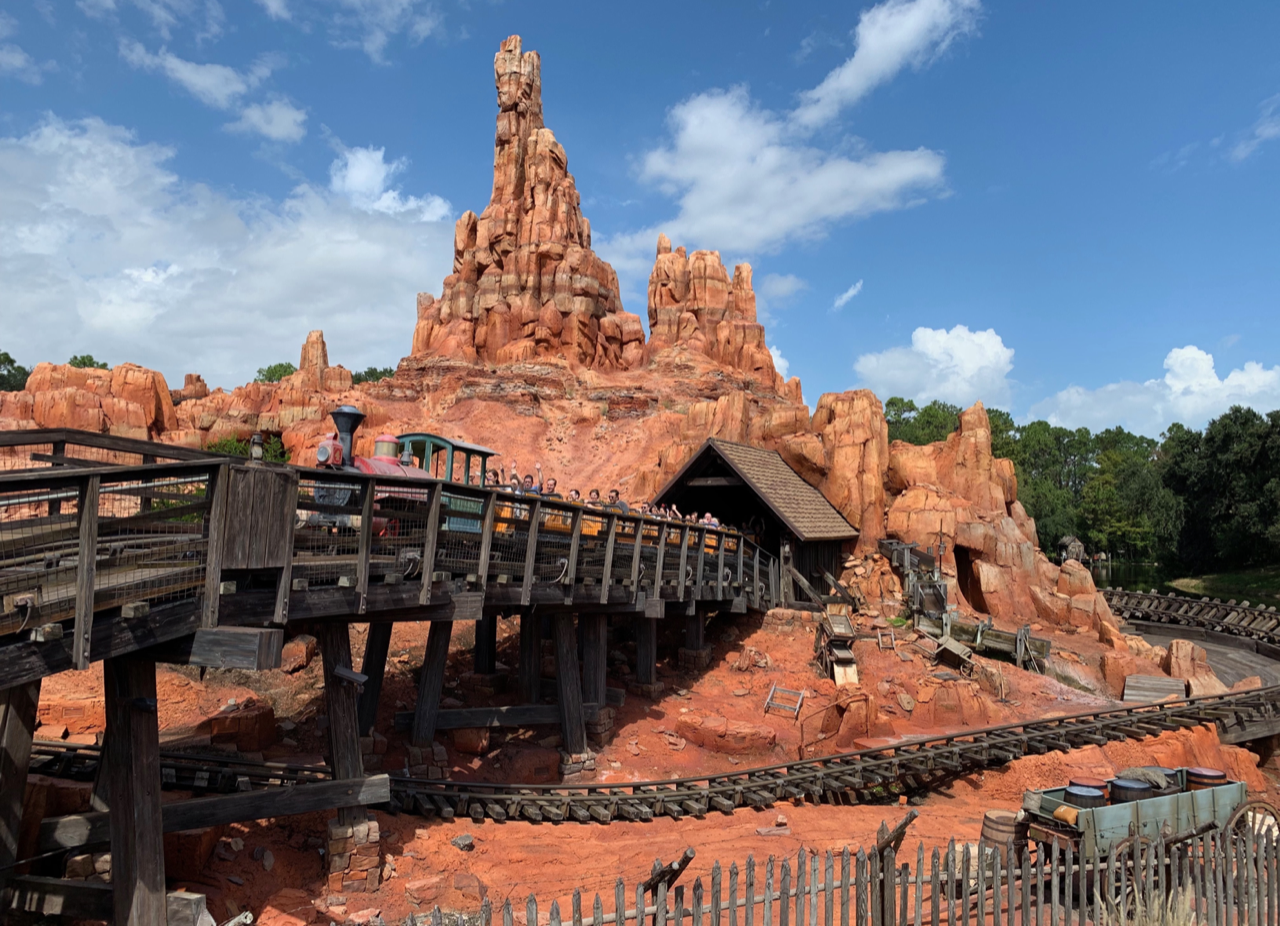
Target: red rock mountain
[529,351]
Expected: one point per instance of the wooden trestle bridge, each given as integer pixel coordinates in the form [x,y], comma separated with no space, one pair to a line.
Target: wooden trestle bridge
[134,553]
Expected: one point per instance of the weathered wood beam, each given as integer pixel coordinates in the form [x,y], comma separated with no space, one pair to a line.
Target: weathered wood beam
[429,544]
[610,527]
[575,542]
[252,648]
[573,730]
[530,553]
[485,658]
[431,683]
[92,900]
[530,668]
[17,726]
[133,752]
[709,482]
[340,699]
[365,549]
[215,536]
[91,829]
[595,655]
[376,646]
[86,566]
[646,651]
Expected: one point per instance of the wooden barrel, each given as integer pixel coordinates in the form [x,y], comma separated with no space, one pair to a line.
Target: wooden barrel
[1078,796]
[998,827]
[1082,781]
[1124,790]
[1200,778]
[1170,777]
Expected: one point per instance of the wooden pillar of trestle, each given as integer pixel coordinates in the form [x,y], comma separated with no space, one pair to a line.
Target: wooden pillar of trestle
[530,668]
[573,728]
[17,727]
[695,626]
[132,750]
[646,650]
[595,654]
[486,652]
[377,644]
[431,683]
[341,700]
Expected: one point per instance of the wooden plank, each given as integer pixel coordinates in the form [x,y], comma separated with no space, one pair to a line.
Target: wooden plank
[366,547]
[662,553]
[254,648]
[683,581]
[635,559]
[340,701]
[485,655]
[611,527]
[575,541]
[376,646]
[530,555]
[573,730]
[93,829]
[755,581]
[430,542]
[284,551]
[595,654]
[133,754]
[515,715]
[80,900]
[720,538]
[1147,688]
[17,726]
[215,537]
[488,510]
[86,565]
[529,669]
[431,683]
[702,558]
[646,650]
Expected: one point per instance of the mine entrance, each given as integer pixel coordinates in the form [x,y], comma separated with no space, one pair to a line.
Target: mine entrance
[967,580]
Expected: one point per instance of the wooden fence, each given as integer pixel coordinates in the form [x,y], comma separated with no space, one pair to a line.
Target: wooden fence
[1218,879]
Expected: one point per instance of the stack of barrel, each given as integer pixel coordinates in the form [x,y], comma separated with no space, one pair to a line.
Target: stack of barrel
[1087,792]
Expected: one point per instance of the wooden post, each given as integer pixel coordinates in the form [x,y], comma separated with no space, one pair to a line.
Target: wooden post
[340,699]
[695,631]
[646,650]
[133,752]
[86,566]
[366,547]
[662,555]
[635,560]
[575,541]
[431,683]
[530,558]
[17,726]
[377,643]
[489,510]
[573,729]
[486,651]
[610,527]
[755,579]
[429,543]
[595,654]
[720,537]
[215,537]
[702,558]
[741,553]
[530,668]
[683,582]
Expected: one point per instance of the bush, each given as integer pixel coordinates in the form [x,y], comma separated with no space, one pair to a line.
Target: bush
[86,362]
[372,375]
[275,372]
[272,448]
[13,376]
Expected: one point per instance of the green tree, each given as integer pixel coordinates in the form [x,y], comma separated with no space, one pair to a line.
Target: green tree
[372,375]
[13,376]
[272,448]
[275,372]
[920,426]
[86,362]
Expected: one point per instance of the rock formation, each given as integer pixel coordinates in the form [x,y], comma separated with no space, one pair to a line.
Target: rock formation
[693,303]
[525,282]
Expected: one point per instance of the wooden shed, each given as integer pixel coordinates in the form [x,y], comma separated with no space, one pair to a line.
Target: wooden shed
[756,491]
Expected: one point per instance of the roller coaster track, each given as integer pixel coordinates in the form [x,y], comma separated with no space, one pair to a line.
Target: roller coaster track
[1228,618]
[869,776]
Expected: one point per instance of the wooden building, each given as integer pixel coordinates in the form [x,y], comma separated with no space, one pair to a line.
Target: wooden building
[756,491]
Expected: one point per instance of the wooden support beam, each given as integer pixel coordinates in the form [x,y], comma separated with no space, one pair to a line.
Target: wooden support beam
[635,560]
[646,650]
[741,564]
[595,655]
[92,900]
[530,667]
[431,683]
[376,645]
[488,511]
[284,554]
[429,544]
[805,586]
[695,631]
[365,550]
[610,528]
[215,534]
[133,752]
[573,727]
[755,581]
[662,555]
[720,540]
[86,566]
[17,726]
[713,482]
[575,541]
[683,582]
[530,556]
[485,660]
[254,648]
[340,701]
[92,829]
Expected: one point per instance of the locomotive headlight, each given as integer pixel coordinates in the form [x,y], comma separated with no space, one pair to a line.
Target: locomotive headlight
[322,454]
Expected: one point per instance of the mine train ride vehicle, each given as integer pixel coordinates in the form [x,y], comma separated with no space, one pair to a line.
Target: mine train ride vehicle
[330,511]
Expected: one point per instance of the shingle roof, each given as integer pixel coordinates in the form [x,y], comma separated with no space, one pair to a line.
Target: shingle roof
[800,506]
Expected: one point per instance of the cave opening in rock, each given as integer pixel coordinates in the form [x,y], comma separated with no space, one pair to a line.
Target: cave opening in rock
[967,580]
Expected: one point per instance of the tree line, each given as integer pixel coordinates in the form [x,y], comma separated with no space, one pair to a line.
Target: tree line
[1196,501]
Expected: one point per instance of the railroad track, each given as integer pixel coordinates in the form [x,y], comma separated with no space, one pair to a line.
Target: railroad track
[867,776]
[1238,620]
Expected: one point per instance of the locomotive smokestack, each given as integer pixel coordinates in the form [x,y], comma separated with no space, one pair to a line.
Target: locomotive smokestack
[347,418]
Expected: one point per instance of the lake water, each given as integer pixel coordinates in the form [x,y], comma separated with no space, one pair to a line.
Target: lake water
[1133,576]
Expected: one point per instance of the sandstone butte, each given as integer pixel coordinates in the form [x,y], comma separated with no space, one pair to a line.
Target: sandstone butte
[528,350]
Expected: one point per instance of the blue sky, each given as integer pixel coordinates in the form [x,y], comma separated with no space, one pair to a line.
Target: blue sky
[1067,210]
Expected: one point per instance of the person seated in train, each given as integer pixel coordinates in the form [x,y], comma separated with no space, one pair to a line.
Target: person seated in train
[575,496]
[615,501]
[593,499]
[493,478]
[549,488]
[710,520]
[515,486]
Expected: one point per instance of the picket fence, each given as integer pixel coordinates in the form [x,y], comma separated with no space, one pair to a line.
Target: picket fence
[1215,879]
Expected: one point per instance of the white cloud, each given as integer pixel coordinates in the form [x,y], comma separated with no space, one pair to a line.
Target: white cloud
[115,255]
[277,119]
[14,62]
[276,9]
[1190,392]
[776,291]
[363,177]
[1265,129]
[215,85]
[780,363]
[8,25]
[746,179]
[377,21]
[958,366]
[889,37]
[844,297]
[208,16]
